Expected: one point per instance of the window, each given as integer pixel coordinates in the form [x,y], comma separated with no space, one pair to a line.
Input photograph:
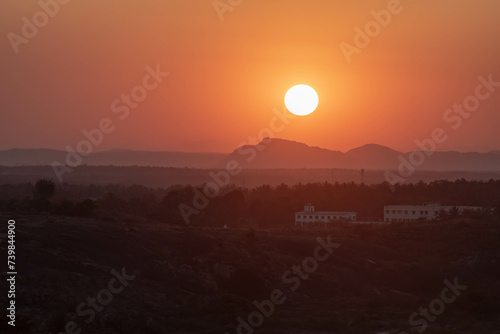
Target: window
[387,211]
[406,211]
[421,212]
[394,211]
[310,217]
[399,211]
[413,212]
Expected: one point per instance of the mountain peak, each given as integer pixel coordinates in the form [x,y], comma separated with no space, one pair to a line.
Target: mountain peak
[283,153]
[375,148]
[282,142]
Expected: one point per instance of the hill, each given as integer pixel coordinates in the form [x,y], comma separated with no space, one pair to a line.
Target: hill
[44,157]
[374,156]
[271,154]
[280,153]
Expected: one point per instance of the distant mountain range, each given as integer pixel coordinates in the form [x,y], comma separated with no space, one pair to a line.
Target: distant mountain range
[279,153]
[42,157]
[270,154]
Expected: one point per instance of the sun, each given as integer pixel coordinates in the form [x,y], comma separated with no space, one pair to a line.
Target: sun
[301,100]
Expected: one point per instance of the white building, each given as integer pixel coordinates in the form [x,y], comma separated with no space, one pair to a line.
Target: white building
[426,212]
[310,217]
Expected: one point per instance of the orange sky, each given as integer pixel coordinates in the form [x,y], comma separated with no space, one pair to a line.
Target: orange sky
[227,76]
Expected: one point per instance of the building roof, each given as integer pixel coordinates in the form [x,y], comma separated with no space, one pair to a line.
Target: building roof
[325,213]
[429,205]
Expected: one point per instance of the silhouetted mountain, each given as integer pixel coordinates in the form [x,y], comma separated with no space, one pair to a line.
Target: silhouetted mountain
[30,157]
[470,161]
[272,154]
[280,153]
[40,157]
[204,146]
[373,156]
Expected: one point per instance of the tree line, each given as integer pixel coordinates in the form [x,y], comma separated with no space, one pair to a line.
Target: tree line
[264,206]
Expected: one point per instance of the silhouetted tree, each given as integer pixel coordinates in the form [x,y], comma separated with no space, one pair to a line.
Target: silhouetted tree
[264,206]
[442,215]
[454,212]
[480,214]
[44,188]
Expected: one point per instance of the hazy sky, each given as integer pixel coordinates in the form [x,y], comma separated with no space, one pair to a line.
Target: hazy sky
[226,77]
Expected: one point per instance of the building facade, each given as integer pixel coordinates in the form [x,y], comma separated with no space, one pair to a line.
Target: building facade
[411,213]
[311,217]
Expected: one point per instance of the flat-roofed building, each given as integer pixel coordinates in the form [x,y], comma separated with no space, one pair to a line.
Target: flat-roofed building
[425,212]
[310,217]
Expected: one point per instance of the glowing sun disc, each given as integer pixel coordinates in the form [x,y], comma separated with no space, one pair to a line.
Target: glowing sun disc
[301,100]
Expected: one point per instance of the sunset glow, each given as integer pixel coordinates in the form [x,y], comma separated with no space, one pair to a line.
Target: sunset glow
[244,166]
[397,86]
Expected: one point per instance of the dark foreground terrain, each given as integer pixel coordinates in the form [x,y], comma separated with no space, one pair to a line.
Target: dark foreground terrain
[183,280]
